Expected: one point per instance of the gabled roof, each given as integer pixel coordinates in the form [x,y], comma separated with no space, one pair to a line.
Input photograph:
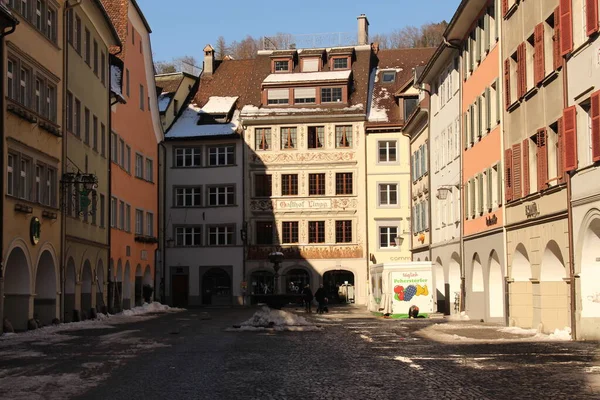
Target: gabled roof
[117,10]
[169,82]
[383,106]
[111,25]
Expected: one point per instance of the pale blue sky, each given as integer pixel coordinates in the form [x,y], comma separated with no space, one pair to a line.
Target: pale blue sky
[184,27]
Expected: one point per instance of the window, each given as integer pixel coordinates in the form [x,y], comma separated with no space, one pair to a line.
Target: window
[305,96]
[127,165]
[331,95]
[186,157]
[103,140]
[288,138]
[38,96]
[278,96]
[39,175]
[25,178]
[10,69]
[316,231]
[139,222]
[149,224]
[316,184]
[262,185]
[24,87]
[187,236]
[316,137]
[388,76]
[387,150]
[113,212]
[132,35]
[70,26]
[311,64]
[95,57]
[188,197]
[263,139]
[343,136]
[343,231]
[127,88]
[77,34]
[281,65]
[24,10]
[290,232]
[103,68]
[50,190]
[86,47]
[343,183]
[149,170]
[388,194]
[50,111]
[86,126]
[121,214]
[77,118]
[410,103]
[289,184]
[221,155]
[38,15]
[10,174]
[264,232]
[142,95]
[102,215]
[121,153]
[139,166]
[95,133]
[340,63]
[221,235]
[387,236]
[221,196]
[127,218]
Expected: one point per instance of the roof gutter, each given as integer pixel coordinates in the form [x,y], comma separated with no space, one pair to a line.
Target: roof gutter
[333,118]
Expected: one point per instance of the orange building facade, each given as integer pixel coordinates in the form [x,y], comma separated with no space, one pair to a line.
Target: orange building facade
[135,135]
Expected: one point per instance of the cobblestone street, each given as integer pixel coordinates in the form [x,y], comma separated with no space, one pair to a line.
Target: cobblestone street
[190,355]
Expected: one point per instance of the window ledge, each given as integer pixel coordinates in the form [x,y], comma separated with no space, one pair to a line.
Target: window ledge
[22,112]
[530,93]
[549,77]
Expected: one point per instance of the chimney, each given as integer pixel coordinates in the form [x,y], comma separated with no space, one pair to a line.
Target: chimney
[209,60]
[363,30]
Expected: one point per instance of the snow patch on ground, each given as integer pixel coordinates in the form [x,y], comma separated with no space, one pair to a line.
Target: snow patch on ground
[408,361]
[278,320]
[459,317]
[558,334]
[515,330]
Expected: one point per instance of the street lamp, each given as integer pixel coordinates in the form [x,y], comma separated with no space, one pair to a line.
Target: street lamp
[276,258]
[398,240]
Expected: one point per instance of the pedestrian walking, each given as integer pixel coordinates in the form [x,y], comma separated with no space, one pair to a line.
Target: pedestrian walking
[320,296]
[308,298]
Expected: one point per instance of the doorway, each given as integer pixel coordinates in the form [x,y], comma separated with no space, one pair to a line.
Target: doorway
[179,290]
[339,285]
[216,287]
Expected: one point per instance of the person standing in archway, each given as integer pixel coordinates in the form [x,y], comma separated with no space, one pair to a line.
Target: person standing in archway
[320,296]
[308,298]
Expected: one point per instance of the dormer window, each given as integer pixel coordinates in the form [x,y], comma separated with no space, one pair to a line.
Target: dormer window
[278,96]
[281,65]
[388,76]
[311,64]
[331,95]
[305,95]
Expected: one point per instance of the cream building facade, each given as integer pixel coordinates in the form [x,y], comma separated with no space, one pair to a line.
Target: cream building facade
[90,34]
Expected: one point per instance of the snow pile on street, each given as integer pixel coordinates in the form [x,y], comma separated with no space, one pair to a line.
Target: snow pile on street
[148,308]
[515,330]
[559,334]
[277,320]
[459,317]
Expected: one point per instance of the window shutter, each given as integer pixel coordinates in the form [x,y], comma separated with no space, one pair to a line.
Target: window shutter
[480,199]
[526,183]
[479,117]
[426,215]
[566,27]
[412,166]
[522,69]
[498,100]
[539,68]
[591,17]
[595,111]
[570,139]
[507,174]
[426,157]
[472,197]
[560,152]
[472,124]
[488,109]
[517,172]
[465,58]
[465,131]
[472,51]
[507,101]
[490,189]
[477,43]
[499,181]
[486,31]
[504,7]
[542,159]
[556,56]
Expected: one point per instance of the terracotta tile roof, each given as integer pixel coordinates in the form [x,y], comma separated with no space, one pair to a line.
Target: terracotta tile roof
[402,61]
[117,11]
[169,82]
[230,78]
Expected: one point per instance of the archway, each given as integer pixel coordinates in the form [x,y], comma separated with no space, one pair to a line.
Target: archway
[216,287]
[295,280]
[440,286]
[554,291]
[100,304]
[86,289]
[119,286]
[590,271]
[262,282]
[138,286]
[521,290]
[454,280]
[495,287]
[69,301]
[339,286]
[477,275]
[127,287]
[17,290]
[45,301]
[148,275]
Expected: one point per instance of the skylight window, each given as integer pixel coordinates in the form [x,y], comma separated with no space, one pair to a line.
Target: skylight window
[388,76]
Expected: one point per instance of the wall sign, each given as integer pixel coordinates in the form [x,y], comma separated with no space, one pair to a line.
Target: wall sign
[493,220]
[35,230]
[531,210]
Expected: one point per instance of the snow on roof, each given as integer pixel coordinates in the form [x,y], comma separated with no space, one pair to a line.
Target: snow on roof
[376,113]
[308,76]
[187,125]
[163,101]
[250,110]
[219,105]
[115,80]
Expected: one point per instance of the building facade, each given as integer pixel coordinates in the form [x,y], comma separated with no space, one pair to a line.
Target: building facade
[32,154]
[204,195]
[86,181]
[175,88]
[134,159]
[581,144]
[536,197]
[442,74]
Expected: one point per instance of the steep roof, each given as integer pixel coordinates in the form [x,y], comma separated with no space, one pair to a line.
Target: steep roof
[383,107]
[169,82]
[117,10]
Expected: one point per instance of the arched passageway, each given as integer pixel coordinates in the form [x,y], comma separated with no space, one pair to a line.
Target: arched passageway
[440,286]
[339,285]
[17,292]
[46,290]
[127,287]
[86,289]
[100,302]
[70,280]
[495,287]
[138,286]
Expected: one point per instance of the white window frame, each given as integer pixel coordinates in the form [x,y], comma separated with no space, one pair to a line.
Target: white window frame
[218,235]
[387,189]
[182,194]
[181,153]
[227,151]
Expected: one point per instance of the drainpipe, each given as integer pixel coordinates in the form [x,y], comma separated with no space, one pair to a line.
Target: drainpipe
[244,225]
[163,299]
[572,276]
[2,123]
[366,164]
